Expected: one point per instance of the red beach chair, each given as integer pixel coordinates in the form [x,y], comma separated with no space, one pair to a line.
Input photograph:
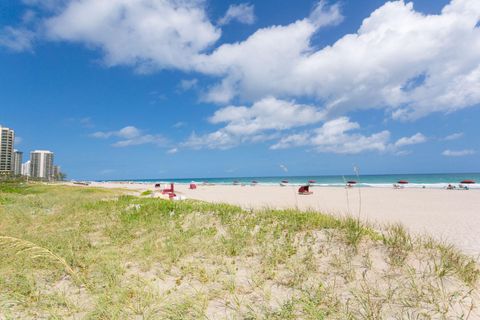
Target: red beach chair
[304,190]
[171,190]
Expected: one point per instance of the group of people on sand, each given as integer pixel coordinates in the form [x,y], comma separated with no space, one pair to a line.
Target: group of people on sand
[351,184]
[449,187]
[460,187]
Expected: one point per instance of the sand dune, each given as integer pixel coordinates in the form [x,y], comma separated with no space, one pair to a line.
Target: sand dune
[444,214]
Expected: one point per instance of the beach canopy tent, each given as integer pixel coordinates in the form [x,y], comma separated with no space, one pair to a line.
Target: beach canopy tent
[304,190]
[467,182]
[193,186]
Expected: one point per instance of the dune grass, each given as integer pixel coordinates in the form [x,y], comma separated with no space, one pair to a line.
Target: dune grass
[96,254]
[146,193]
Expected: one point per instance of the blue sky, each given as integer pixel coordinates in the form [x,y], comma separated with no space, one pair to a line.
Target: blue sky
[167,88]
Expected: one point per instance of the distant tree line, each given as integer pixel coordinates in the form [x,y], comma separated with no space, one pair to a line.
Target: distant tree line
[20,178]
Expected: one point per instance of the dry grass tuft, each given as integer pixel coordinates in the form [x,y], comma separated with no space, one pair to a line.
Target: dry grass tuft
[29,250]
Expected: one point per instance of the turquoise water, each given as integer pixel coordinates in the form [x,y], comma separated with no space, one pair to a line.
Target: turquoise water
[415,180]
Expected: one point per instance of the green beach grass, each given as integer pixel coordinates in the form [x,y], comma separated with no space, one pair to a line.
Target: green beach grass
[85,253]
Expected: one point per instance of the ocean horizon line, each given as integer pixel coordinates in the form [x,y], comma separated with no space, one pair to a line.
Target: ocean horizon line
[292,176]
[425,180]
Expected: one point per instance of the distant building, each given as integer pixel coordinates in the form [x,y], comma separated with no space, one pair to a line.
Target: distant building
[17,162]
[56,172]
[26,169]
[7,139]
[41,164]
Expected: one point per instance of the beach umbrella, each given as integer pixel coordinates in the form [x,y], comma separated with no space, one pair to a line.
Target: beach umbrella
[311,181]
[467,182]
[352,182]
[403,182]
[284,181]
[254,182]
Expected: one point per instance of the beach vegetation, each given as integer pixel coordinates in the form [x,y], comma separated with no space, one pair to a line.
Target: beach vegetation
[146,193]
[398,243]
[82,252]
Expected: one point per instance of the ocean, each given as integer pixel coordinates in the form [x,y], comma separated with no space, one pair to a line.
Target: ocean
[437,180]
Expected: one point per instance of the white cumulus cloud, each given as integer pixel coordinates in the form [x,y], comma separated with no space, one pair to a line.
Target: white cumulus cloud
[158,140]
[127,132]
[410,63]
[243,13]
[415,139]
[267,114]
[458,153]
[259,122]
[215,140]
[336,136]
[325,15]
[454,136]
[130,136]
[145,34]
[17,39]
[172,151]
[271,119]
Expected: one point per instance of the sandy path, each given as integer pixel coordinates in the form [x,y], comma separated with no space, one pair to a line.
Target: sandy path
[450,215]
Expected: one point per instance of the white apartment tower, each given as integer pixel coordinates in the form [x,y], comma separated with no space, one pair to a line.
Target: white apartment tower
[26,169]
[41,164]
[17,162]
[7,139]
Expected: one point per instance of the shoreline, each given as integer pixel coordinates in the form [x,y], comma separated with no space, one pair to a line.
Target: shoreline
[436,186]
[415,180]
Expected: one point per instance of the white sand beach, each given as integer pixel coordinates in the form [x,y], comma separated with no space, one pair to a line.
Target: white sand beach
[451,215]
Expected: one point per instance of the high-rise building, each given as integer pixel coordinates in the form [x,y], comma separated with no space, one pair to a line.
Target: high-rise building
[26,169]
[7,139]
[17,162]
[41,164]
